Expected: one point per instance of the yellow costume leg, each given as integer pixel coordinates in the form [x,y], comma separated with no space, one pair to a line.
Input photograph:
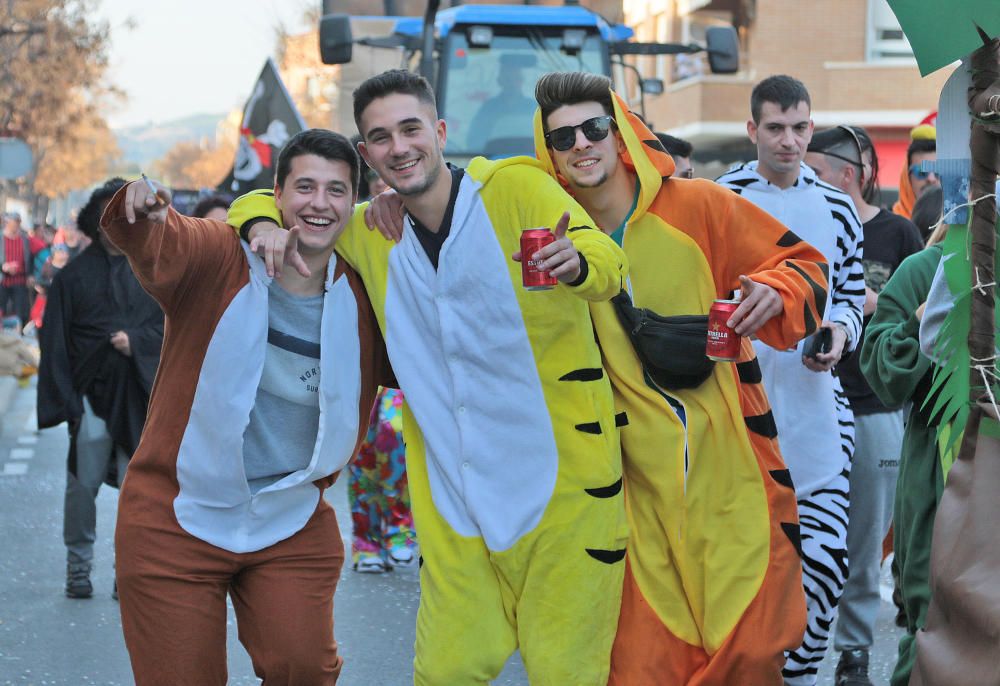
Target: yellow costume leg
[464,632]
[565,578]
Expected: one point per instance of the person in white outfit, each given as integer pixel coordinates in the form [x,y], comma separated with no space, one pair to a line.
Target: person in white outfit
[814,420]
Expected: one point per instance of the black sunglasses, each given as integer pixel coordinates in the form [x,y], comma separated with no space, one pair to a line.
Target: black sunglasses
[595,129]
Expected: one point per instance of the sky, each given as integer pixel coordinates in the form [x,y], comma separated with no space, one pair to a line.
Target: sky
[186,57]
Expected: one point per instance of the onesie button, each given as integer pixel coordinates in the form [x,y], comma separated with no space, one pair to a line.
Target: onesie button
[465,465]
[461,409]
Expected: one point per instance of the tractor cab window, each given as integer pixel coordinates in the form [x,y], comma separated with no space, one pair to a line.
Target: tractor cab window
[487,94]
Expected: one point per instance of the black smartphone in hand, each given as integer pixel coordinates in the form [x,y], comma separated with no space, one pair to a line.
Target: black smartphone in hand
[819,342]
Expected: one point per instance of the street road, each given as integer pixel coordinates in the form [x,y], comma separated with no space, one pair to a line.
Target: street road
[47,639]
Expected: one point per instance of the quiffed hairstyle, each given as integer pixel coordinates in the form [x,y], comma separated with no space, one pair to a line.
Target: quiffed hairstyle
[560,88]
[89,219]
[782,90]
[322,143]
[675,147]
[388,83]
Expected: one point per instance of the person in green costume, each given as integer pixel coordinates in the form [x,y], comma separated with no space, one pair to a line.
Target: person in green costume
[899,372]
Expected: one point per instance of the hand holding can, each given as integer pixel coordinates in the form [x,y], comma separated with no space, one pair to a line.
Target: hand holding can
[723,344]
[533,278]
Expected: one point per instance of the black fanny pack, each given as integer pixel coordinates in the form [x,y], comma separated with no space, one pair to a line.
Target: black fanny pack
[671,349]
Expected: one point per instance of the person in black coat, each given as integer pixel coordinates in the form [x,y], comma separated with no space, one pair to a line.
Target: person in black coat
[100,348]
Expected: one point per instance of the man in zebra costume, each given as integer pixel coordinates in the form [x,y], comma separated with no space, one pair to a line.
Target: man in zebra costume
[815,424]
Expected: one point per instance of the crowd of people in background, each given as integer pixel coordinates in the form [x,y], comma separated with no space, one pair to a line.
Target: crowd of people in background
[828,451]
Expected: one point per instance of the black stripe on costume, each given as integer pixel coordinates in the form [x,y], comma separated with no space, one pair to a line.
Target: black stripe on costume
[589,428]
[606,491]
[656,145]
[578,228]
[788,240]
[608,557]
[841,200]
[819,292]
[839,557]
[825,580]
[814,523]
[794,535]
[783,477]
[749,371]
[840,519]
[741,183]
[593,374]
[762,425]
[621,419]
[807,317]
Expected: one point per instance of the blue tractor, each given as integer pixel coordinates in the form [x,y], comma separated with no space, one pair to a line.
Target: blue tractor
[484,60]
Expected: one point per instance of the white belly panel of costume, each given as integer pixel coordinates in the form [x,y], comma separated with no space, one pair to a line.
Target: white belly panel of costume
[460,350]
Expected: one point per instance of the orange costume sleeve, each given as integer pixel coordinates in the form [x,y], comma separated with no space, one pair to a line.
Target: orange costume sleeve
[738,238]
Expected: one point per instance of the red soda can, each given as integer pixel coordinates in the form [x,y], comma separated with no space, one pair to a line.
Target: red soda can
[723,344]
[533,240]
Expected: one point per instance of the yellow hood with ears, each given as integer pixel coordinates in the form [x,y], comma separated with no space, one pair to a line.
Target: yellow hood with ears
[643,154]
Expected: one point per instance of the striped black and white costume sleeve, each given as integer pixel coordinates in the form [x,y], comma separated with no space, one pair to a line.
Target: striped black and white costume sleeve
[847,276]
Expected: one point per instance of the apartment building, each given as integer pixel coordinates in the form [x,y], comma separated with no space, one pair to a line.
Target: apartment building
[851,54]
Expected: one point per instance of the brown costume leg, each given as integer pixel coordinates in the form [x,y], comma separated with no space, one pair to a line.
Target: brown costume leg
[173,604]
[283,597]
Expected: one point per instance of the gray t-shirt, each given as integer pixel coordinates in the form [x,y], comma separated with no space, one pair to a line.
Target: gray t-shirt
[285,417]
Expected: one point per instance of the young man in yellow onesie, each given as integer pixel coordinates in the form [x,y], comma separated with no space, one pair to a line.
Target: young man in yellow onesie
[512,442]
[713,581]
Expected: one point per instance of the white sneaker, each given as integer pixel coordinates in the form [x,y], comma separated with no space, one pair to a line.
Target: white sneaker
[401,556]
[370,565]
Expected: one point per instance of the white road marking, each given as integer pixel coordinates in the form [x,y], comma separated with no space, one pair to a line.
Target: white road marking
[31,439]
[14,469]
[31,424]
[22,453]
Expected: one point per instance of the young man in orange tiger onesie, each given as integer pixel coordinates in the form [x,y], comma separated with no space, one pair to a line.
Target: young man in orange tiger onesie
[713,591]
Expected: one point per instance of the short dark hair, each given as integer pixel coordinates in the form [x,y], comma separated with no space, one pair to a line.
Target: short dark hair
[89,219]
[209,203]
[782,90]
[675,147]
[322,143]
[559,88]
[388,83]
[920,145]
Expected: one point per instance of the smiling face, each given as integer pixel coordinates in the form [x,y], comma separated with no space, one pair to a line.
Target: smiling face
[403,142]
[781,138]
[318,198]
[588,164]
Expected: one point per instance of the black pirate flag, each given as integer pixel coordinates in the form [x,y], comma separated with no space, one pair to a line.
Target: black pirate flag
[269,119]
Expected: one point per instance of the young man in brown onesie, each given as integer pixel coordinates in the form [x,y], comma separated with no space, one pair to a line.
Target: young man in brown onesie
[224,494]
